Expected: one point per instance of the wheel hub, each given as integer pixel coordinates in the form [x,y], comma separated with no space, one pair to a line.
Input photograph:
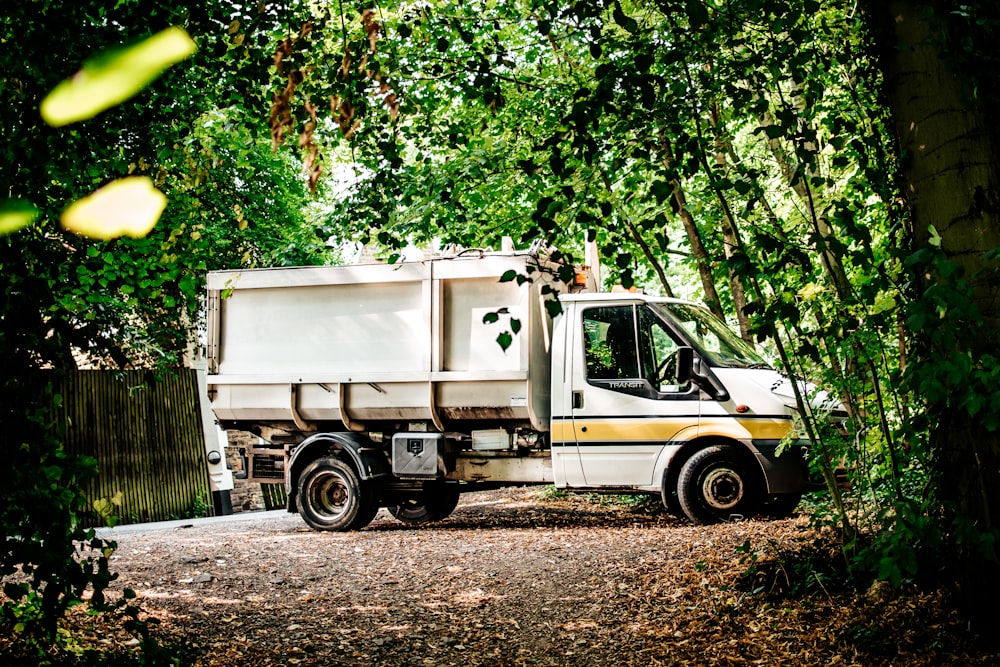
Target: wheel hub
[329,495]
[723,488]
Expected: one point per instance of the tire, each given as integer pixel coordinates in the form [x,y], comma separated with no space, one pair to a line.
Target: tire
[431,505]
[365,518]
[715,484]
[668,495]
[331,496]
[782,506]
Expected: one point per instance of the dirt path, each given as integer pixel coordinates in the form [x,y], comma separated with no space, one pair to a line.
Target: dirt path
[512,578]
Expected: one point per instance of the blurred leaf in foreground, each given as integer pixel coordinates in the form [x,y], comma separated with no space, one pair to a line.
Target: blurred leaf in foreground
[113,76]
[15,214]
[126,207]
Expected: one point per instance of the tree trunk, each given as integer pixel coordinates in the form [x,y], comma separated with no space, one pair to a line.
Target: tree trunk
[952,185]
[821,226]
[694,238]
[732,244]
[651,259]
[698,252]
[730,231]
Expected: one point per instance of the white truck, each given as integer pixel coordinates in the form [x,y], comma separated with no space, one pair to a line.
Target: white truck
[403,386]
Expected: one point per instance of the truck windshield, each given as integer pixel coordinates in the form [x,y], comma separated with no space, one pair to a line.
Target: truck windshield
[716,342]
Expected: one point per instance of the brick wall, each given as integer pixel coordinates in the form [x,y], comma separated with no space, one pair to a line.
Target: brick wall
[246,497]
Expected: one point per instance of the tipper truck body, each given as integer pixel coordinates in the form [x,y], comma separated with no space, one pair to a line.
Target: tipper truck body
[403,386]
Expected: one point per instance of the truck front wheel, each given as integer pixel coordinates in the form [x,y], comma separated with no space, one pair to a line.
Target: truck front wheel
[715,485]
[332,497]
[431,505]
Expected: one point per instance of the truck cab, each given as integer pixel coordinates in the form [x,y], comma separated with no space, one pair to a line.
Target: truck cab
[657,395]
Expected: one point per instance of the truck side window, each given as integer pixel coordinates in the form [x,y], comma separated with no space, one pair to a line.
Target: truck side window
[659,353]
[611,349]
[627,343]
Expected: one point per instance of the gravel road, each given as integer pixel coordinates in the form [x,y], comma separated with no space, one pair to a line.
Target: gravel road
[514,577]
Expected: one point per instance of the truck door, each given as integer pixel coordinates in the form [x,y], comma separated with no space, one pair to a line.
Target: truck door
[627,406]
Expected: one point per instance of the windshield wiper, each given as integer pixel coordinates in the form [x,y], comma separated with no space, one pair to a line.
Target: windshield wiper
[736,362]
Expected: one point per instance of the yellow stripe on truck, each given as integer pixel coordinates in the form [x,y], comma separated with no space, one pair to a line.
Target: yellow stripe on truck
[666,428]
[562,431]
[621,429]
[745,429]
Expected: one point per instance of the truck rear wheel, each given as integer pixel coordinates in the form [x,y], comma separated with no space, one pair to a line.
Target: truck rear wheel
[715,484]
[332,497]
[431,505]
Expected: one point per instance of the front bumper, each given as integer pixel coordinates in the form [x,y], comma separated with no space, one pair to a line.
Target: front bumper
[787,472]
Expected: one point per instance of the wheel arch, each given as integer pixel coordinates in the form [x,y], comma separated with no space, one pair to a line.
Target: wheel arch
[353,448]
[672,466]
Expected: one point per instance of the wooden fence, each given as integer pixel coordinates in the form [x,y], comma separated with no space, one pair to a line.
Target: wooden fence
[147,438]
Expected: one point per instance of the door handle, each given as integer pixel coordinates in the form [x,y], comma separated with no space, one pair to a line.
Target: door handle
[577,400]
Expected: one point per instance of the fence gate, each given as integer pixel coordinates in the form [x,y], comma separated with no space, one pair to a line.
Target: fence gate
[147,437]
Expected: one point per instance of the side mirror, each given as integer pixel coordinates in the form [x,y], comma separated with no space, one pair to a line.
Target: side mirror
[685,365]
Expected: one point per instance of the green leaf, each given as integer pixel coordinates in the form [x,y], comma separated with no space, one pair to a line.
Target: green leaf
[504,340]
[529,167]
[556,162]
[114,76]
[543,205]
[491,318]
[773,131]
[515,325]
[622,19]
[15,214]
[697,13]
[15,591]
[627,279]
[935,237]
